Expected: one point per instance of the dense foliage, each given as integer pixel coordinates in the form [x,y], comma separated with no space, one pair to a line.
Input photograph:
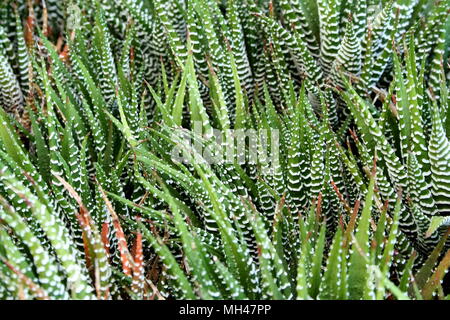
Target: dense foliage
[335,113]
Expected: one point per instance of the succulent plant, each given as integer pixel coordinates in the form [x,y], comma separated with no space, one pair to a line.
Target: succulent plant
[207,149]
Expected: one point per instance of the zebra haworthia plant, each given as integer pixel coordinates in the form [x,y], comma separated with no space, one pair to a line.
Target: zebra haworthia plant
[224,149]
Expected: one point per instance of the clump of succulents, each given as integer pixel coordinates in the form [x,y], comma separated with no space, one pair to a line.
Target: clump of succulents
[117,120]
